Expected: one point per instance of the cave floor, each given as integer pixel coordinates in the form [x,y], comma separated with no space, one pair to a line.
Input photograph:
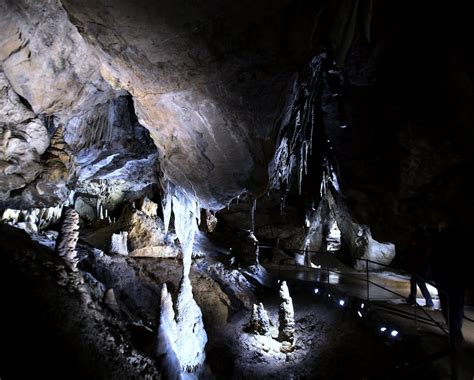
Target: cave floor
[327,335]
[332,341]
[346,281]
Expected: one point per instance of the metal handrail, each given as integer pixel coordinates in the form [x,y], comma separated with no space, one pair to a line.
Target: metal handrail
[379,286]
[336,254]
[452,349]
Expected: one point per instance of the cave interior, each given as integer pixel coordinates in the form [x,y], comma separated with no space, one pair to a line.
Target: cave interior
[235,190]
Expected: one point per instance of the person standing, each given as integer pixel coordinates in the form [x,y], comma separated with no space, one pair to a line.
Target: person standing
[448,269]
[419,262]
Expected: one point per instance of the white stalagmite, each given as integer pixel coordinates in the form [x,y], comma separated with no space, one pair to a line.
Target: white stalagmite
[67,238]
[167,336]
[286,314]
[118,243]
[192,337]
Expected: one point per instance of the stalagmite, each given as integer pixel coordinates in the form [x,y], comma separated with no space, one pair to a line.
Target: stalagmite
[259,321]
[118,243]
[286,315]
[67,238]
[167,336]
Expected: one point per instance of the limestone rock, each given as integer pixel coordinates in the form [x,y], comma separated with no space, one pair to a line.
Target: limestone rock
[41,50]
[286,313]
[143,230]
[146,235]
[118,243]
[12,110]
[149,208]
[110,300]
[84,208]
[160,251]
[239,289]
[371,249]
[97,289]
[259,321]
[67,238]
[247,250]
[208,221]
[214,303]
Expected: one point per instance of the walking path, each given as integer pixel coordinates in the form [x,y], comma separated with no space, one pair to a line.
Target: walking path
[330,273]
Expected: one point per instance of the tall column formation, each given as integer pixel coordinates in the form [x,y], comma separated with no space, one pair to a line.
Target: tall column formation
[67,238]
[191,338]
[286,315]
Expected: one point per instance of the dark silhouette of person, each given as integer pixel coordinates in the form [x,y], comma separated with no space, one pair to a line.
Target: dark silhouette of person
[448,269]
[419,265]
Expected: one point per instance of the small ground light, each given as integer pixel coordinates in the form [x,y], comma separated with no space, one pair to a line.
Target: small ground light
[362,305]
[316,291]
[394,333]
[341,302]
[329,296]
[383,329]
[359,314]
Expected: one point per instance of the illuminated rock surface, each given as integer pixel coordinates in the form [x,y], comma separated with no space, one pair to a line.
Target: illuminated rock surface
[272,122]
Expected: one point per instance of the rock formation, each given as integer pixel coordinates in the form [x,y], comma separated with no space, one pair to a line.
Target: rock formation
[192,338]
[67,238]
[246,249]
[146,235]
[118,243]
[208,221]
[167,336]
[286,328]
[259,321]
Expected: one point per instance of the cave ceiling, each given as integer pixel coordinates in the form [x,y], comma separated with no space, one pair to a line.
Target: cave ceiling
[210,83]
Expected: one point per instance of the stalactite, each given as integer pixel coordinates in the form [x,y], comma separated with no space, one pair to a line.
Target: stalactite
[296,136]
[32,220]
[166,204]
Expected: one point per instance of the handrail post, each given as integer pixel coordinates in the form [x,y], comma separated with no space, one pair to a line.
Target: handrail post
[416,313]
[367,278]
